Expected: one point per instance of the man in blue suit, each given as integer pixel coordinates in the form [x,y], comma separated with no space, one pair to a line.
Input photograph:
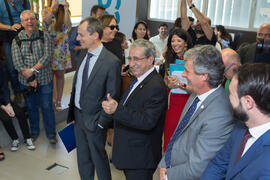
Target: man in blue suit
[246,154]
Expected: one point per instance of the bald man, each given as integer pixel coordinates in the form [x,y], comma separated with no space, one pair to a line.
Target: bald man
[248,52]
[231,60]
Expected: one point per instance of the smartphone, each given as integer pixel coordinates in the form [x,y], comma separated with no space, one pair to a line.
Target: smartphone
[62,2]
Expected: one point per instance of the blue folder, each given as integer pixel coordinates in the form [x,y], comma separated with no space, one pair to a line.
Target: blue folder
[67,136]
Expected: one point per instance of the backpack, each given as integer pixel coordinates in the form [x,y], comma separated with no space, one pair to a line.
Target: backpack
[19,41]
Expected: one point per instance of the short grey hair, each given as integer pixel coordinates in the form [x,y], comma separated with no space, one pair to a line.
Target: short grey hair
[27,11]
[94,25]
[149,47]
[207,60]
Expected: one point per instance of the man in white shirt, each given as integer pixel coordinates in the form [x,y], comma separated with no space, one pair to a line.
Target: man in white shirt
[139,116]
[246,154]
[160,40]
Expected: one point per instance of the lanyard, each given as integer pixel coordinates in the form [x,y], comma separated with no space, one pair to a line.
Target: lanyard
[13,5]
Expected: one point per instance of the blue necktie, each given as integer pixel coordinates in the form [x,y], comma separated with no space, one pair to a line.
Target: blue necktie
[85,74]
[178,131]
[125,95]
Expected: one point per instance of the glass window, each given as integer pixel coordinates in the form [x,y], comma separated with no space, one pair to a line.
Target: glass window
[230,12]
[163,9]
[262,13]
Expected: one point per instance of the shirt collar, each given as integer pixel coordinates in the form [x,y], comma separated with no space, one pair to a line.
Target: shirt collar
[97,51]
[258,131]
[203,96]
[142,77]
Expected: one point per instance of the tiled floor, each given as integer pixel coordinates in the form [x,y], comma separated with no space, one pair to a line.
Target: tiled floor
[31,165]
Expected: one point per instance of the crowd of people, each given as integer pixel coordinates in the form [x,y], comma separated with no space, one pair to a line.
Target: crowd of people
[211,121]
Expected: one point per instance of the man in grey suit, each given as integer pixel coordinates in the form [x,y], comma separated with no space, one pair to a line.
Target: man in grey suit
[206,121]
[97,75]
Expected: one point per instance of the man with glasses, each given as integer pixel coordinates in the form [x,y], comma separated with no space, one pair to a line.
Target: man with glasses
[231,61]
[139,116]
[32,57]
[258,51]
[98,74]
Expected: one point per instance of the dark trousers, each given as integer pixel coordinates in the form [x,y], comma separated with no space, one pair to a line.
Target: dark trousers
[141,174]
[7,122]
[91,154]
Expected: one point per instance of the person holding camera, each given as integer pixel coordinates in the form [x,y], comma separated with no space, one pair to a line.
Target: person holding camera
[258,51]
[10,110]
[32,56]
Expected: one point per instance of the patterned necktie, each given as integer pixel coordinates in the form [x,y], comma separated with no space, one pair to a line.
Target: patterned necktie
[179,129]
[125,95]
[242,146]
[85,74]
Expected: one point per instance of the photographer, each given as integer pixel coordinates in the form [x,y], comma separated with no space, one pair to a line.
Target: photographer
[32,57]
[258,51]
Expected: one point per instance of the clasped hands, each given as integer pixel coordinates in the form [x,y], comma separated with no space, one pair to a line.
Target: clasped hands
[8,109]
[109,105]
[28,73]
[173,82]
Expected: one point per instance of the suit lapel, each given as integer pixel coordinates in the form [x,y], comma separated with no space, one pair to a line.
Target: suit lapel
[201,108]
[140,86]
[253,153]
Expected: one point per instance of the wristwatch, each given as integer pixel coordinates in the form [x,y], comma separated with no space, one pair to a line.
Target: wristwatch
[192,6]
[9,27]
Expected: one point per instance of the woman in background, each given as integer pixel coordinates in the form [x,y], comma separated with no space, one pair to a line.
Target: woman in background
[179,41]
[224,38]
[58,29]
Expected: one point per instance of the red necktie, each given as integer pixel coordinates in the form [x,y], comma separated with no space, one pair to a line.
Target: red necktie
[241,148]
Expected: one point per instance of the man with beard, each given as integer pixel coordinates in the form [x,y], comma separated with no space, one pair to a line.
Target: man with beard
[203,33]
[160,40]
[246,154]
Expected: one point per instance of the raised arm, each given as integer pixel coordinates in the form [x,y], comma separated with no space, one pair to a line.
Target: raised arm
[205,21]
[184,17]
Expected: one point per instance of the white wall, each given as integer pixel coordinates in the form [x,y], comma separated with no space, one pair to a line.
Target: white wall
[124,11]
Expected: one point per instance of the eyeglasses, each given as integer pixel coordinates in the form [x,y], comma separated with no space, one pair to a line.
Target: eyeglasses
[229,67]
[27,19]
[135,58]
[112,27]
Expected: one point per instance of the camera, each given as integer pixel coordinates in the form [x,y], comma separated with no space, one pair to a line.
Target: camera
[263,47]
[30,90]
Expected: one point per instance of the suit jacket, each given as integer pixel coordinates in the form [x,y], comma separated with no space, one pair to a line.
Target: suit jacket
[138,125]
[104,78]
[254,164]
[247,52]
[204,135]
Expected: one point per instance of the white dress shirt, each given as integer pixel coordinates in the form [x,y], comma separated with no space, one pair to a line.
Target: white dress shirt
[93,60]
[256,133]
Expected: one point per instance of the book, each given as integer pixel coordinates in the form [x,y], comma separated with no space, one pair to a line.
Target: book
[68,137]
[177,70]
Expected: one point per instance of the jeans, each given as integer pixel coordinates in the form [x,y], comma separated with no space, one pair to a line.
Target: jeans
[44,98]
[13,74]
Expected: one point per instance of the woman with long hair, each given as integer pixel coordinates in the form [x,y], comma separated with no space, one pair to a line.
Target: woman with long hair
[58,28]
[178,42]
[224,38]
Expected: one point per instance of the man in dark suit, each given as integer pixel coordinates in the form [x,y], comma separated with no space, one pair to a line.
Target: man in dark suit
[139,116]
[250,53]
[246,154]
[97,75]
[206,121]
